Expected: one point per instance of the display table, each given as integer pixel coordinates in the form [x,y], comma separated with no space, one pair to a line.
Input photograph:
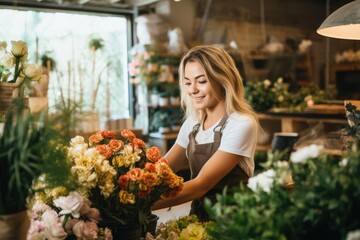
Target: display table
[297,122]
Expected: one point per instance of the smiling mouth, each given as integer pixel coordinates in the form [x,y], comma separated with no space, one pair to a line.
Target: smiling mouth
[198,99]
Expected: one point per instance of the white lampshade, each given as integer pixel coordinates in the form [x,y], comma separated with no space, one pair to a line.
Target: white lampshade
[344,23]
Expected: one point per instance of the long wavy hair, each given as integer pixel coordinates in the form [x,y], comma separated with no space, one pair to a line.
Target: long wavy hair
[219,68]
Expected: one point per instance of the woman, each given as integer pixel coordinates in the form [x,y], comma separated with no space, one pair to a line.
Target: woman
[218,138]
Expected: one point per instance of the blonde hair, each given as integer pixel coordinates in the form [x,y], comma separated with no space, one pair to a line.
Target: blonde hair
[219,67]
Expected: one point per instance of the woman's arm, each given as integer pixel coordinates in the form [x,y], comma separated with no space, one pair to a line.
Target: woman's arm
[220,164]
[176,157]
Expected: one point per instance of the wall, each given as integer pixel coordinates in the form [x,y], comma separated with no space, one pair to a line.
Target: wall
[240,21]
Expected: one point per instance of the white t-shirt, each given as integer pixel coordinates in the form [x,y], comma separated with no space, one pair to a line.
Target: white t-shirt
[238,137]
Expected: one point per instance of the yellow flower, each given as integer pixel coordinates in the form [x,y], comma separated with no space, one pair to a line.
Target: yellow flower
[19,49]
[126,197]
[32,71]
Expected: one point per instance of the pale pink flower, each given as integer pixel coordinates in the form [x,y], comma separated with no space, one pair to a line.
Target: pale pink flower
[70,223]
[107,234]
[70,204]
[38,209]
[94,214]
[55,232]
[36,229]
[85,230]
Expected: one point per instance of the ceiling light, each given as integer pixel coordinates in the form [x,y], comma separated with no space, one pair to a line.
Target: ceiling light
[344,23]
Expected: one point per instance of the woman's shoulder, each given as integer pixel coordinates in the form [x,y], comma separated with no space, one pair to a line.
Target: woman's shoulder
[237,117]
[189,124]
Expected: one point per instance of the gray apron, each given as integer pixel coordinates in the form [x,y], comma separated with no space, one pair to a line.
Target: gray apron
[198,155]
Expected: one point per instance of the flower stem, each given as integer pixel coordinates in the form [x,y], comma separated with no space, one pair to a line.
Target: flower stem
[17,70]
[65,220]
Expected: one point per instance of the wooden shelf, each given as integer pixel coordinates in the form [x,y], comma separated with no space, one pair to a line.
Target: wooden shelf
[298,123]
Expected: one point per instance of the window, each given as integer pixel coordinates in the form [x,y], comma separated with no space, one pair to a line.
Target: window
[98,79]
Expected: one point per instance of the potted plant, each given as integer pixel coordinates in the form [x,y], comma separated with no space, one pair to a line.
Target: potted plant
[15,73]
[28,148]
[160,121]
[175,95]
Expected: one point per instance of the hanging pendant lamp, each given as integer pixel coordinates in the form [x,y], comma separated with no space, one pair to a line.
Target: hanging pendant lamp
[344,23]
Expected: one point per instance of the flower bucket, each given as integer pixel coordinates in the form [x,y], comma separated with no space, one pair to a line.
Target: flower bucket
[150,226]
[14,226]
[122,232]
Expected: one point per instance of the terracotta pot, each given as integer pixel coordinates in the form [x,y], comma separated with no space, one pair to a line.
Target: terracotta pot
[8,91]
[14,226]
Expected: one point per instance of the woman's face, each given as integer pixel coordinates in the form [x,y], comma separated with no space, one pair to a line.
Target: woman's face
[198,87]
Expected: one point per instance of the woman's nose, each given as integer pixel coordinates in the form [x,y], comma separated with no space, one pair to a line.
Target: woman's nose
[193,88]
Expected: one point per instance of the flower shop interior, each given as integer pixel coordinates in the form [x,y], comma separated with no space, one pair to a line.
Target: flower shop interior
[83,71]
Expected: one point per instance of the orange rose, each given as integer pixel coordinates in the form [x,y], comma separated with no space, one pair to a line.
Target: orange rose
[108,134]
[127,134]
[153,154]
[104,150]
[150,167]
[126,197]
[150,179]
[123,181]
[135,174]
[163,170]
[163,160]
[116,145]
[174,181]
[95,138]
[137,142]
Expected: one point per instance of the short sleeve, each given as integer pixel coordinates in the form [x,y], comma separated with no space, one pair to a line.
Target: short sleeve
[183,136]
[239,136]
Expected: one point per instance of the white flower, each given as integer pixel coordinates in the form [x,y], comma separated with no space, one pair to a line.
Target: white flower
[343,162]
[262,181]
[280,80]
[71,204]
[353,235]
[7,60]
[77,140]
[267,83]
[33,72]
[301,155]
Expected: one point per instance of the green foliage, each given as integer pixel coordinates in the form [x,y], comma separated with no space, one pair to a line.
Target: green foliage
[161,118]
[267,95]
[28,148]
[184,228]
[323,205]
[96,43]
[48,58]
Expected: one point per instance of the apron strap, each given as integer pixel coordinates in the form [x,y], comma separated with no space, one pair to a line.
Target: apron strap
[218,131]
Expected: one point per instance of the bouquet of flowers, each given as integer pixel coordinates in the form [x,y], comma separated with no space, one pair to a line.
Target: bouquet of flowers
[184,228]
[120,176]
[58,214]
